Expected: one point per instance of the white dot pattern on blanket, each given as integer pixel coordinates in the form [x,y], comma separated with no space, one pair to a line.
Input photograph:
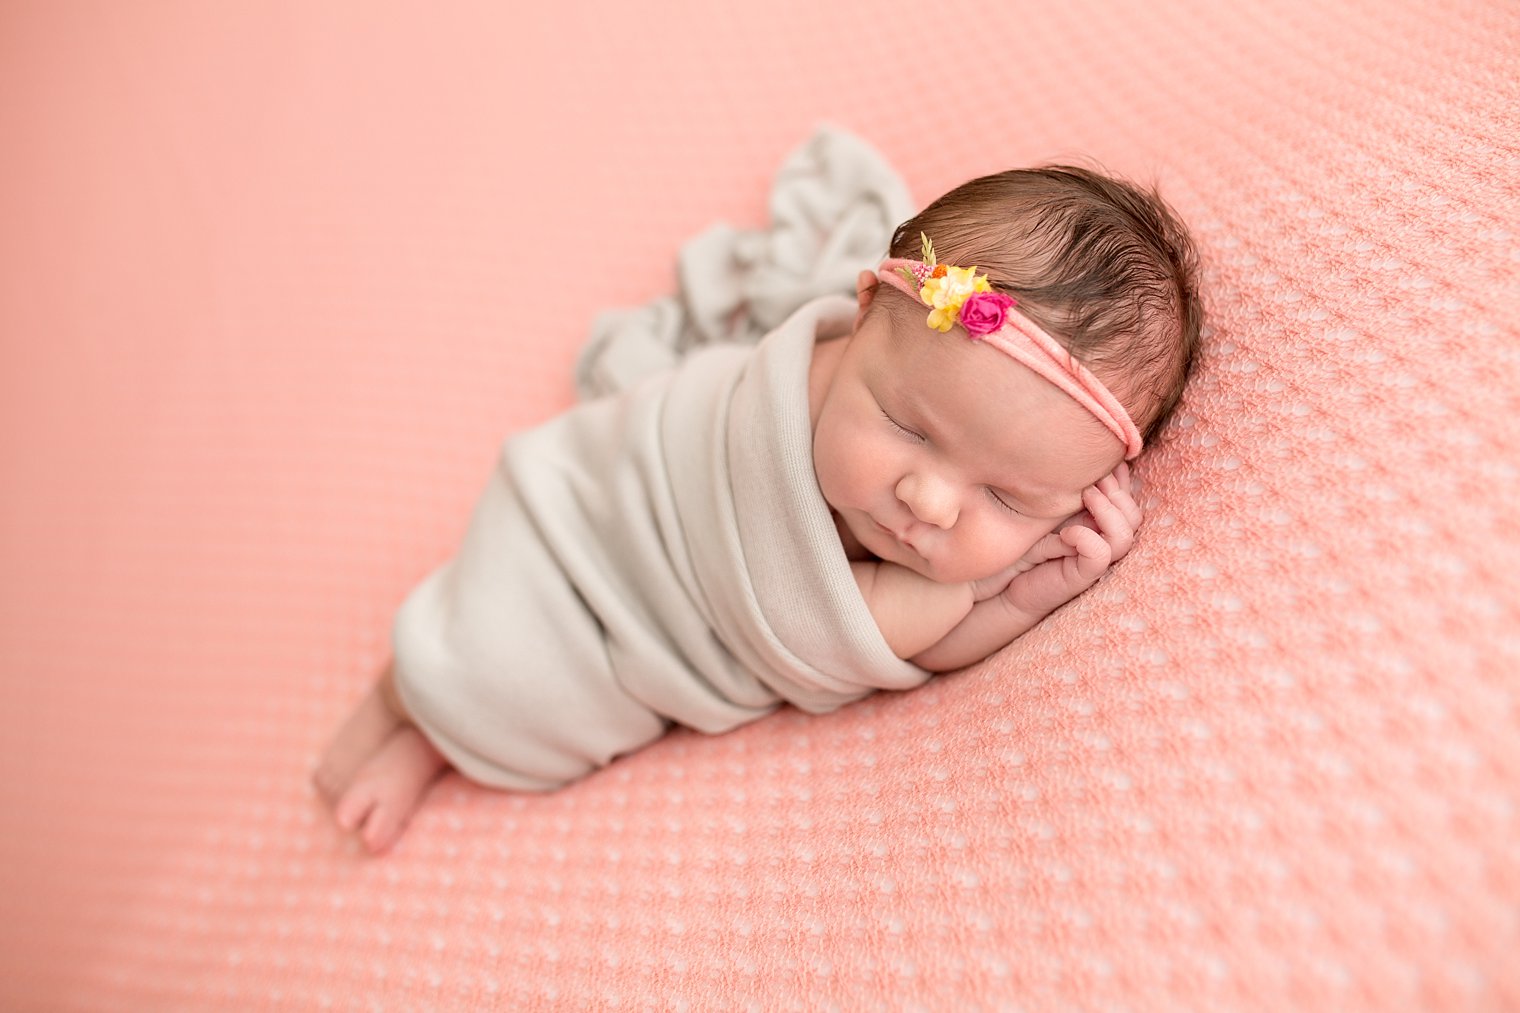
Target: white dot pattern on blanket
[1270,762]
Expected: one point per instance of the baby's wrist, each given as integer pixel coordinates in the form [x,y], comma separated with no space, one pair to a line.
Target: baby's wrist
[1019,607]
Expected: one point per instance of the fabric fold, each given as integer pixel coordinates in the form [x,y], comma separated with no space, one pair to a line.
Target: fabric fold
[833,205]
[662,556]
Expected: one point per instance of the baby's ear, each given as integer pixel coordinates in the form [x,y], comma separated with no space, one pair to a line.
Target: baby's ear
[865,287]
[866,284]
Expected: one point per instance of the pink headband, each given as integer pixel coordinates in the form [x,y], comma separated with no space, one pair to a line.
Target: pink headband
[1020,338]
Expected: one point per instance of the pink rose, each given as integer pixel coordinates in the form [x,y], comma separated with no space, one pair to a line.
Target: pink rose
[983,312]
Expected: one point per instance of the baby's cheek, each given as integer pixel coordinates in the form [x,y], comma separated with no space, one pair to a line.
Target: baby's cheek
[1004,544]
[869,476]
[836,462]
[827,468]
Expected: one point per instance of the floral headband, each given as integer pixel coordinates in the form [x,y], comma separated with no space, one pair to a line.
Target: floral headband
[958,295]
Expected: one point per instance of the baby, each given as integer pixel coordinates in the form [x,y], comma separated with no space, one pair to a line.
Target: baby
[883,488]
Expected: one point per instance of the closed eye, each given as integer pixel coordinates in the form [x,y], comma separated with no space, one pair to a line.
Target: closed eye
[1000,501]
[904,430]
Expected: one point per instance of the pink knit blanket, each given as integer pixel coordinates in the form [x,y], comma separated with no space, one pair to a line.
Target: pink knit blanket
[275,279]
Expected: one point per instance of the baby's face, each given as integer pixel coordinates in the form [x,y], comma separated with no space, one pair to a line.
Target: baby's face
[946,456]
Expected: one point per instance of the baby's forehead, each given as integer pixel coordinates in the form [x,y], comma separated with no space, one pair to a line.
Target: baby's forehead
[973,389]
[910,334]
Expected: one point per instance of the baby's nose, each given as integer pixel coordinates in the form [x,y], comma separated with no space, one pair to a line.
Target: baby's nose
[930,499]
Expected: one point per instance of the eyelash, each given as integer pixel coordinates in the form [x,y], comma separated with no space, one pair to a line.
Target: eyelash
[904,430]
[910,434]
[999,501]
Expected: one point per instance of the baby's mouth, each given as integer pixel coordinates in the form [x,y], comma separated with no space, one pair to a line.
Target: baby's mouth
[899,539]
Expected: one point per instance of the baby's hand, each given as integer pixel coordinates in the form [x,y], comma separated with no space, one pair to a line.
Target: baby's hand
[1070,559]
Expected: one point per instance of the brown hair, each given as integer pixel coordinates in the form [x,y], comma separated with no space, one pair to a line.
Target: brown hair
[1107,268]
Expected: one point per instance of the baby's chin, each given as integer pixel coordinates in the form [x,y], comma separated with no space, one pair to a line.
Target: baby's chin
[941,571]
[949,571]
[885,547]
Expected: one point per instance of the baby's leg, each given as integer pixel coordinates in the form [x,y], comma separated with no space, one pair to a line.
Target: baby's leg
[359,738]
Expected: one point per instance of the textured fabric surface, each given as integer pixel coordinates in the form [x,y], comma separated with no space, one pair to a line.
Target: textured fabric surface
[276,278]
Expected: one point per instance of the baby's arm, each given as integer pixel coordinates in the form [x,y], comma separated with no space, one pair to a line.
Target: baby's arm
[1061,566]
[912,611]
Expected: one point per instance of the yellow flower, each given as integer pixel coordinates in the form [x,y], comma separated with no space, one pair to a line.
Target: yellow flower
[946,293]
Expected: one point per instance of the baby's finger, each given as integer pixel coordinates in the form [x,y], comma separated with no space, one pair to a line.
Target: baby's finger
[1115,481]
[1129,506]
[1112,522]
[1047,548]
[1107,517]
[1093,553]
[1081,517]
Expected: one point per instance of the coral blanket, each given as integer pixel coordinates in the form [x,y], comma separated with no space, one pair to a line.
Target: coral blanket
[276,280]
[663,555]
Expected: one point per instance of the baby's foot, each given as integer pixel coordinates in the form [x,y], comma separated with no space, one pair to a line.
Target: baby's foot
[387,789]
[360,738]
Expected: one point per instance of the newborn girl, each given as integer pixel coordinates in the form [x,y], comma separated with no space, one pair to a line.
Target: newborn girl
[883,488]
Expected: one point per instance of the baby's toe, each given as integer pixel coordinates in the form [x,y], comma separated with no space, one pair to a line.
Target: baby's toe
[355,805]
[382,828]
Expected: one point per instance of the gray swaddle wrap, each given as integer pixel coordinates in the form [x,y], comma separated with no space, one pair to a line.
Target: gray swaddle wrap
[663,555]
